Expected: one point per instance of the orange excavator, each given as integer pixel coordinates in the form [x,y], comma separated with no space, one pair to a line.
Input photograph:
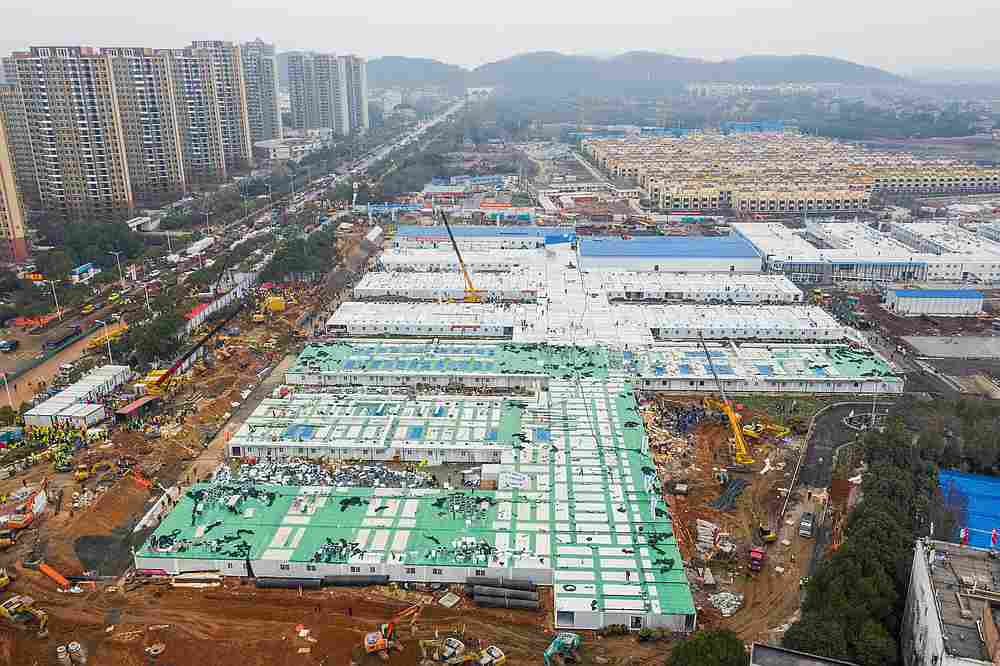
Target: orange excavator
[383,640]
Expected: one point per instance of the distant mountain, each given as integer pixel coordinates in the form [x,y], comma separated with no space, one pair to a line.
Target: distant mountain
[389,71]
[963,75]
[547,72]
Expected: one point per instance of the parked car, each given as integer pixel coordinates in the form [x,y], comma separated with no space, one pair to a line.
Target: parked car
[806,524]
[8,346]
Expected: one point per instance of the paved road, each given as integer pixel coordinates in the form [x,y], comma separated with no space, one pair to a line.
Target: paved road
[382,152]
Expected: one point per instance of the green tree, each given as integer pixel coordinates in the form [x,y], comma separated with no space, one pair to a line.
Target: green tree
[54,264]
[719,648]
[874,646]
[818,633]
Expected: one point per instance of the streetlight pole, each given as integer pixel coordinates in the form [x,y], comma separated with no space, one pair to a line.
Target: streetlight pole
[118,259]
[52,283]
[145,289]
[107,338]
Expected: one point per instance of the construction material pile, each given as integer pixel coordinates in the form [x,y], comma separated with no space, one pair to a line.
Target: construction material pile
[727,602]
[303,473]
[727,500]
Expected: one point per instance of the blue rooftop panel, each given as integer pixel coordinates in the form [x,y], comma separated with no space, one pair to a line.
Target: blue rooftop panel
[725,247]
[476,231]
[938,293]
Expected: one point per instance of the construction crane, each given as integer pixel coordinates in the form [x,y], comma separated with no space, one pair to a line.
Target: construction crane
[472,294]
[726,407]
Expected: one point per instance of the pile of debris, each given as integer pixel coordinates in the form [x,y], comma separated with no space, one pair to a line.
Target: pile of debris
[306,473]
[727,602]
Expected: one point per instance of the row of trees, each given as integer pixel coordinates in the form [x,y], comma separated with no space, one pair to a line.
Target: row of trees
[854,604]
[299,255]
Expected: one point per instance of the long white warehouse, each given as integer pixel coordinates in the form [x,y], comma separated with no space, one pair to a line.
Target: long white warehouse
[942,302]
[433,261]
[471,320]
[735,322]
[519,285]
[737,288]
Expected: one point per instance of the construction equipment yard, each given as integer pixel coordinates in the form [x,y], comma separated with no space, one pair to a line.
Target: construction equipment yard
[361,498]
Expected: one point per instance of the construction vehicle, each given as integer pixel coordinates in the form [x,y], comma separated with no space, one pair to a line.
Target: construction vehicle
[8,538]
[767,535]
[81,474]
[777,430]
[753,430]
[259,318]
[20,610]
[472,294]
[383,640]
[5,579]
[447,651]
[492,656]
[726,407]
[758,556]
[563,649]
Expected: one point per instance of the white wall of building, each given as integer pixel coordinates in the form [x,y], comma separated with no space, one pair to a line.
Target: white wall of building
[955,307]
[673,264]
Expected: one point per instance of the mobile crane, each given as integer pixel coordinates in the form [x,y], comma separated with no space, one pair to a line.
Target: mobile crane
[726,407]
[472,294]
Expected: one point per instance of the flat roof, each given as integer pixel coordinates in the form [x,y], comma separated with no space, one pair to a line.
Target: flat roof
[423,285]
[472,259]
[955,568]
[768,655]
[417,314]
[939,293]
[603,280]
[951,238]
[480,231]
[727,247]
[586,511]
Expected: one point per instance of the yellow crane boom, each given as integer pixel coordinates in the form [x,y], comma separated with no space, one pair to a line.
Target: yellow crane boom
[472,294]
[726,407]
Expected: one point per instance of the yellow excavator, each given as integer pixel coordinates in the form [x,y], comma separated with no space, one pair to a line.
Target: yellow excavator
[472,295]
[20,611]
[742,451]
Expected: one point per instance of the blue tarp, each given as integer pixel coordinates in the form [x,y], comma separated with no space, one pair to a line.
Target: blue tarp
[983,496]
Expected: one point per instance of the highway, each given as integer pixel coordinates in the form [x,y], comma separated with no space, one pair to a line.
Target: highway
[381,152]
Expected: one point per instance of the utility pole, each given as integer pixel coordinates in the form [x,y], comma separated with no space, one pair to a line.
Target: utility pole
[107,338]
[121,275]
[52,283]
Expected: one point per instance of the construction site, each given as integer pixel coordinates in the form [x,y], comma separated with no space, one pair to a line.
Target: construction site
[338,481]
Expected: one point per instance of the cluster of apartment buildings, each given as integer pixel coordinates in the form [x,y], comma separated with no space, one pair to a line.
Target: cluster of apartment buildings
[775,172]
[90,133]
[327,90]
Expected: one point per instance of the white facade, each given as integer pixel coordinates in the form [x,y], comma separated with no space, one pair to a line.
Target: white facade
[521,285]
[285,150]
[935,633]
[442,260]
[76,404]
[465,320]
[740,322]
[671,264]
[693,287]
[904,302]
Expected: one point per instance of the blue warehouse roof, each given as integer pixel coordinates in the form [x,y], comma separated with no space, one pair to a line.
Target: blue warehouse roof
[938,293]
[479,231]
[708,247]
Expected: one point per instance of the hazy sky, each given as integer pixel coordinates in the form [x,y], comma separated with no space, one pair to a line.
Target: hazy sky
[895,34]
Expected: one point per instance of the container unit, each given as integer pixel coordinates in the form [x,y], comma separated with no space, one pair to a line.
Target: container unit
[515,286]
[744,288]
[939,302]
[452,320]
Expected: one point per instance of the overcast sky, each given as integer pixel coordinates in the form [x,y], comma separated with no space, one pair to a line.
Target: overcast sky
[899,35]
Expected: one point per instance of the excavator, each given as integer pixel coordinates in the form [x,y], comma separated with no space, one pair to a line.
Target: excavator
[20,610]
[472,295]
[383,640]
[5,579]
[726,407]
[563,649]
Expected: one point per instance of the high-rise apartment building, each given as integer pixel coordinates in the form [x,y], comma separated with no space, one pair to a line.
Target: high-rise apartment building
[71,104]
[146,93]
[331,93]
[356,82]
[260,74]
[231,98]
[15,120]
[13,246]
[302,91]
[328,91]
[195,91]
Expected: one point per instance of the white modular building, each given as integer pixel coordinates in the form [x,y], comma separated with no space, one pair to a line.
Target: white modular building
[519,285]
[434,261]
[465,320]
[732,322]
[482,237]
[737,288]
[77,405]
[940,302]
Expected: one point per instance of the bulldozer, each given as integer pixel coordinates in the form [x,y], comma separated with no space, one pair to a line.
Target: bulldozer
[563,649]
[767,535]
[20,611]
